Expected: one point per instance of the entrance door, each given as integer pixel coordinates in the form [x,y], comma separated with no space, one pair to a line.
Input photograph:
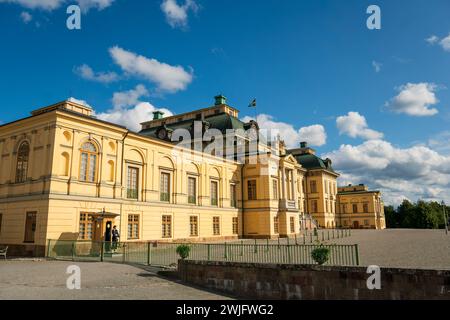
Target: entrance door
[30,227]
[355,225]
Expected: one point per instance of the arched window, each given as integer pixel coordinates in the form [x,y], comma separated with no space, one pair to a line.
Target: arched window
[88,164]
[23,155]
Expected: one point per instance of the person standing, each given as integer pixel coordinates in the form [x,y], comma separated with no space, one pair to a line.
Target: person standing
[115,238]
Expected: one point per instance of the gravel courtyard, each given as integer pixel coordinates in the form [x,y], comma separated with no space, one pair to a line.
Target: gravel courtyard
[425,249]
[47,280]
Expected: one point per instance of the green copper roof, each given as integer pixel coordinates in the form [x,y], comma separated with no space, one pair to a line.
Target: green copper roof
[221,121]
[311,161]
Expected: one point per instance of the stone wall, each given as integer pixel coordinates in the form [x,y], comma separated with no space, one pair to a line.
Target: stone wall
[310,282]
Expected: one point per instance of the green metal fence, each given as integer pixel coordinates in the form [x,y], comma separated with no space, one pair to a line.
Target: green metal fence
[164,254]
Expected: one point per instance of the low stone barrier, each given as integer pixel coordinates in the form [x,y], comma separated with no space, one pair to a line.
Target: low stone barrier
[311,282]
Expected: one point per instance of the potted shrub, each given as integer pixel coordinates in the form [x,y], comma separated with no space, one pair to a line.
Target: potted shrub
[320,255]
[183,251]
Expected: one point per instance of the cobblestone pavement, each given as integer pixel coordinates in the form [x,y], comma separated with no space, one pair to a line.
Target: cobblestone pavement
[28,279]
[408,248]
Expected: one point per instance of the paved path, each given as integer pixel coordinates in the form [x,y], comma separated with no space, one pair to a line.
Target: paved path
[426,249]
[47,280]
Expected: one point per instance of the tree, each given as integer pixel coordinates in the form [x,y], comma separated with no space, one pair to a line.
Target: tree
[420,215]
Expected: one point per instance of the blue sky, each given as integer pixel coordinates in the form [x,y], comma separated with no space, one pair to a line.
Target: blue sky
[309,63]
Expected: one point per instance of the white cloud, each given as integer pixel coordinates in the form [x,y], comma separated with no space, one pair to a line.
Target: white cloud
[440,142]
[50,5]
[445,43]
[87,73]
[82,102]
[130,97]
[26,17]
[315,135]
[36,4]
[433,39]
[132,117]
[377,66]
[86,5]
[166,77]
[417,172]
[177,15]
[415,99]
[355,125]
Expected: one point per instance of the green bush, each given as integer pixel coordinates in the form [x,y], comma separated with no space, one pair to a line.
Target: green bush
[320,255]
[183,251]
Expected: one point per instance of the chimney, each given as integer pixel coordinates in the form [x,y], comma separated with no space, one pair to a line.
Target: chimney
[303,144]
[157,115]
[220,99]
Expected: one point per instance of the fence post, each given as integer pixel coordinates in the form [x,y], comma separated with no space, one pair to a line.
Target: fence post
[278,242]
[328,231]
[225,249]
[304,239]
[209,252]
[48,248]
[148,253]
[357,254]
[256,249]
[242,248]
[289,253]
[295,237]
[323,238]
[124,248]
[101,251]
[287,240]
[267,245]
[73,251]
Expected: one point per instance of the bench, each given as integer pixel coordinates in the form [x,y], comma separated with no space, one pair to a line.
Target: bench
[3,252]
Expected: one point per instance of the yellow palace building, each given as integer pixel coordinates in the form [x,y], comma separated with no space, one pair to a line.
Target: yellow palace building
[66,175]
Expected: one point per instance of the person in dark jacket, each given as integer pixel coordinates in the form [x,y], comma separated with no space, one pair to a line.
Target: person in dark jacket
[115,237]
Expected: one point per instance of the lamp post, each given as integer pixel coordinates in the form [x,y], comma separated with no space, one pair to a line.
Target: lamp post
[445,217]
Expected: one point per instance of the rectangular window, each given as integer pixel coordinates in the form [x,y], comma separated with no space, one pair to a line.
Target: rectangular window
[192,190]
[165,187]
[233,195]
[216,226]
[251,189]
[86,231]
[214,193]
[355,208]
[366,207]
[133,226]
[313,186]
[235,225]
[193,221]
[314,206]
[292,223]
[166,226]
[275,189]
[275,225]
[132,183]
[30,227]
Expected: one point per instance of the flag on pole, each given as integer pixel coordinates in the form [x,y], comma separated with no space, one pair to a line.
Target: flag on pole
[252,104]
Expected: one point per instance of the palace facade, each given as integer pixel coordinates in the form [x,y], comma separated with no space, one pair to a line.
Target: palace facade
[66,175]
